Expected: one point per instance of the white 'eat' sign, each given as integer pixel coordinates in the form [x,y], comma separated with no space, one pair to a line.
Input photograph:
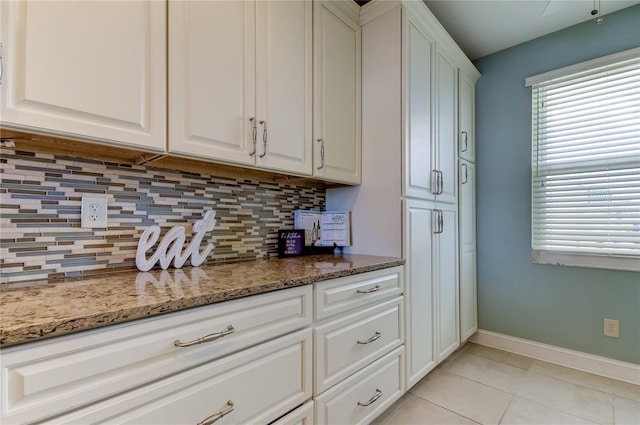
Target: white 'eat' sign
[170,248]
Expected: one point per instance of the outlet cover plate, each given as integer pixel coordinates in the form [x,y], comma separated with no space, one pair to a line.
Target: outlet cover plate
[94,212]
[612,328]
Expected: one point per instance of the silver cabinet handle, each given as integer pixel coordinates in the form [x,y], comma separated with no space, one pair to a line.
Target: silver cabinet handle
[207,338]
[254,136]
[439,182]
[1,64]
[435,179]
[375,337]
[375,397]
[439,217]
[466,141]
[321,141]
[213,418]
[368,291]
[466,173]
[264,138]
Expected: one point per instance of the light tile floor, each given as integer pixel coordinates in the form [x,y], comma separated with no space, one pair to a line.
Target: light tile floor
[481,385]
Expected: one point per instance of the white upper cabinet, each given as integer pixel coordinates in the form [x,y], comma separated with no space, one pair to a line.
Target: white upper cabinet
[418,48]
[85,70]
[466,116]
[336,120]
[430,115]
[240,82]
[444,148]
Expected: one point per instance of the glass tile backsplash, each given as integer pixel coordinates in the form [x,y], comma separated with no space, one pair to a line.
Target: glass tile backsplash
[40,197]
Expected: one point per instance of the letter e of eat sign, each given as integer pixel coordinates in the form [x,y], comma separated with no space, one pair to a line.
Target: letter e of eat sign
[170,248]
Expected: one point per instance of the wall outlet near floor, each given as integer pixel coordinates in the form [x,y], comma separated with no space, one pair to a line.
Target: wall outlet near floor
[612,328]
[94,212]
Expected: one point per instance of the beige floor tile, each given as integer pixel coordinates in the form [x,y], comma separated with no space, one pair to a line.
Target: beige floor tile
[498,355]
[486,371]
[418,411]
[525,412]
[392,409]
[626,412]
[574,376]
[470,399]
[586,403]
[625,390]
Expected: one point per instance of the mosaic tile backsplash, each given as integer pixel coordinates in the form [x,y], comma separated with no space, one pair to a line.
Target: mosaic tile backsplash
[40,197]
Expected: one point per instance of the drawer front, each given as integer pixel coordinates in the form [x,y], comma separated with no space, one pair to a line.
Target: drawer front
[365,395]
[343,294]
[349,343]
[303,415]
[50,377]
[257,385]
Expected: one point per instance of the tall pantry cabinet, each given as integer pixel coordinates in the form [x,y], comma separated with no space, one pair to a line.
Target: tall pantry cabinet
[411,191]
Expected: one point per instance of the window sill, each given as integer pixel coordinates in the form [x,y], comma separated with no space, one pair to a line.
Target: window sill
[586,260]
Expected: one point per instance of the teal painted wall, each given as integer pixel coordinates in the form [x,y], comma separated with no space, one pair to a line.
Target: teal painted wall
[562,306]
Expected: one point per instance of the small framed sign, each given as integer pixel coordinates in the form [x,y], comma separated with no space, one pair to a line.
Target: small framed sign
[290,243]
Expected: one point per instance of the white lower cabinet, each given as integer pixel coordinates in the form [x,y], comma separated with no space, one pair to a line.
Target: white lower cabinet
[253,386]
[358,346]
[432,297]
[366,394]
[259,360]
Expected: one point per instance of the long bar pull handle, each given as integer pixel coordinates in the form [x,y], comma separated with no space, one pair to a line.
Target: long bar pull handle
[439,221]
[207,338]
[213,418]
[375,337]
[1,64]
[439,182]
[264,138]
[321,141]
[368,291]
[466,173]
[466,141]
[435,182]
[254,137]
[375,397]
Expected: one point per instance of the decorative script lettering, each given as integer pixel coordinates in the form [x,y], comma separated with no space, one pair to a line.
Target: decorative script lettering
[171,247]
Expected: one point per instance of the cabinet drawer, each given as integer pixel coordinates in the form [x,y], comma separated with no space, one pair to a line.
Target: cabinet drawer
[303,415]
[50,377]
[340,295]
[379,384]
[256,385]
[349,343]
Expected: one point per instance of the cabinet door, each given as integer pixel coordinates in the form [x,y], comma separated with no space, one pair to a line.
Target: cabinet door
[86,70]
[212,79]
[446,113]
[446,282]
[283,85]
[466,118]
[418,49]
[418,289]
[467,224]
[336,139]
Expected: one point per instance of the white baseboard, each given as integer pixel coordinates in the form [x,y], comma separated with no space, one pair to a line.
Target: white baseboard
[598,365]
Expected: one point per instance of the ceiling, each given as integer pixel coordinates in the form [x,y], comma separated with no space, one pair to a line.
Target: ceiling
[482,27]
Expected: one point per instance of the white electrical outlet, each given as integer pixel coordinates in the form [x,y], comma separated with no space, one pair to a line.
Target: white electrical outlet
[94,212]
[612,328]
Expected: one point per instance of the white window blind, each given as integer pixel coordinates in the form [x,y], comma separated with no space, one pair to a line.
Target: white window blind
[586,164]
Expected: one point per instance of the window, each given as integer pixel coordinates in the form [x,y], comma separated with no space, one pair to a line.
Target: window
[586,164]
